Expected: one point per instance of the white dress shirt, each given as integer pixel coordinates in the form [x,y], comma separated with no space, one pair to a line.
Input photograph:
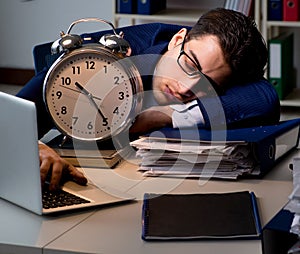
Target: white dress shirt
[186,115]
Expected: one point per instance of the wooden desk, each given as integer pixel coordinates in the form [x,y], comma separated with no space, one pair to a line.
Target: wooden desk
[118,229]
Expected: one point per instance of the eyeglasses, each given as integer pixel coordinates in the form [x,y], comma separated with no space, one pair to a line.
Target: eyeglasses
[187,64]
[193,69]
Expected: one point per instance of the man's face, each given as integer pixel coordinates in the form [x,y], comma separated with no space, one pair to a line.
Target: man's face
[172,85]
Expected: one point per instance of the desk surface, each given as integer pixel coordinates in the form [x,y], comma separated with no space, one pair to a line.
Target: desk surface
[117,228]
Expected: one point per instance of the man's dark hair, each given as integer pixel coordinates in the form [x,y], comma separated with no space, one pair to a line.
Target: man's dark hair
[242,44]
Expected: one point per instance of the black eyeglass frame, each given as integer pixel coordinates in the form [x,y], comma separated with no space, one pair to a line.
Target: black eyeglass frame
[198,72]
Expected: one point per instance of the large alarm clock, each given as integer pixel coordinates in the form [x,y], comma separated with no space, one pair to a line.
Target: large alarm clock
[92,91]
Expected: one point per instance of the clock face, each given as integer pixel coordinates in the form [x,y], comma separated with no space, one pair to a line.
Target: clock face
[91,94]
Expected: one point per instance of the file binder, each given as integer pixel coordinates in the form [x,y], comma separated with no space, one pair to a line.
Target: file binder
[269,143]
[276,236]
[275,10]
[281,73]
[291,10]
[149,7]
[232,215]
[127,6]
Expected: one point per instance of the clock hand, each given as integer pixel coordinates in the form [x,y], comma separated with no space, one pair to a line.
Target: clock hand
[82,89]
[91,99]
[74,90]
[69,88]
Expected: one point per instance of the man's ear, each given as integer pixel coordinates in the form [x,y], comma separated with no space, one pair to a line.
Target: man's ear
[177,38]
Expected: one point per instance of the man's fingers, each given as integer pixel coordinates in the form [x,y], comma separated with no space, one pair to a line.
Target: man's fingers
[56,175]
[45,168]
[77,176]
[60,170]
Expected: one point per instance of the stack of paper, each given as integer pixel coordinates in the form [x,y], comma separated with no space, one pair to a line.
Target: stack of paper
[220,153]
[193,158]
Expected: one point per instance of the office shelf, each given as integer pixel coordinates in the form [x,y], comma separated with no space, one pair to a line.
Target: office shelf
[269,29]
[175,15]
[292,100]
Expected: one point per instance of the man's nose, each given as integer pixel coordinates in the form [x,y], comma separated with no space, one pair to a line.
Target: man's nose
[186,89]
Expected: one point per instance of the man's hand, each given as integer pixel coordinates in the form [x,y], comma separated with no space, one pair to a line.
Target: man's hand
[151,119]
[59,169]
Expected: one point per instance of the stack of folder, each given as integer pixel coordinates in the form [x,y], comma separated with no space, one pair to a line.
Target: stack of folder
[190,158]
[286,223]
[86,154]
[294,199]
[225,154]
[276,235]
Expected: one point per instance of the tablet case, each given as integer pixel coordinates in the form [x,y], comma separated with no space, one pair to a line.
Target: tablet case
[200,216]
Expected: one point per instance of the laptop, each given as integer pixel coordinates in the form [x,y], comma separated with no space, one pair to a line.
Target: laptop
[20,181]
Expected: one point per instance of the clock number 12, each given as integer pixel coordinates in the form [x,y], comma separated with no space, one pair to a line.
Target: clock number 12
[90,65]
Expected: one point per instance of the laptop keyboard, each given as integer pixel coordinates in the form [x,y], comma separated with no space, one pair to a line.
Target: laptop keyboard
[60,198]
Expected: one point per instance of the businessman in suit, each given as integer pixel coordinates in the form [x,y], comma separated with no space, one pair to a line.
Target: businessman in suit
[224,46]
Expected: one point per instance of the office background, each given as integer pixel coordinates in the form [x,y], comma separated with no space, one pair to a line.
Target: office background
[25,23]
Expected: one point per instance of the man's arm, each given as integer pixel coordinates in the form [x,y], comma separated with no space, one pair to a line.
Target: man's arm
[151,119]
[176,116]
[246,105]
[252,104]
